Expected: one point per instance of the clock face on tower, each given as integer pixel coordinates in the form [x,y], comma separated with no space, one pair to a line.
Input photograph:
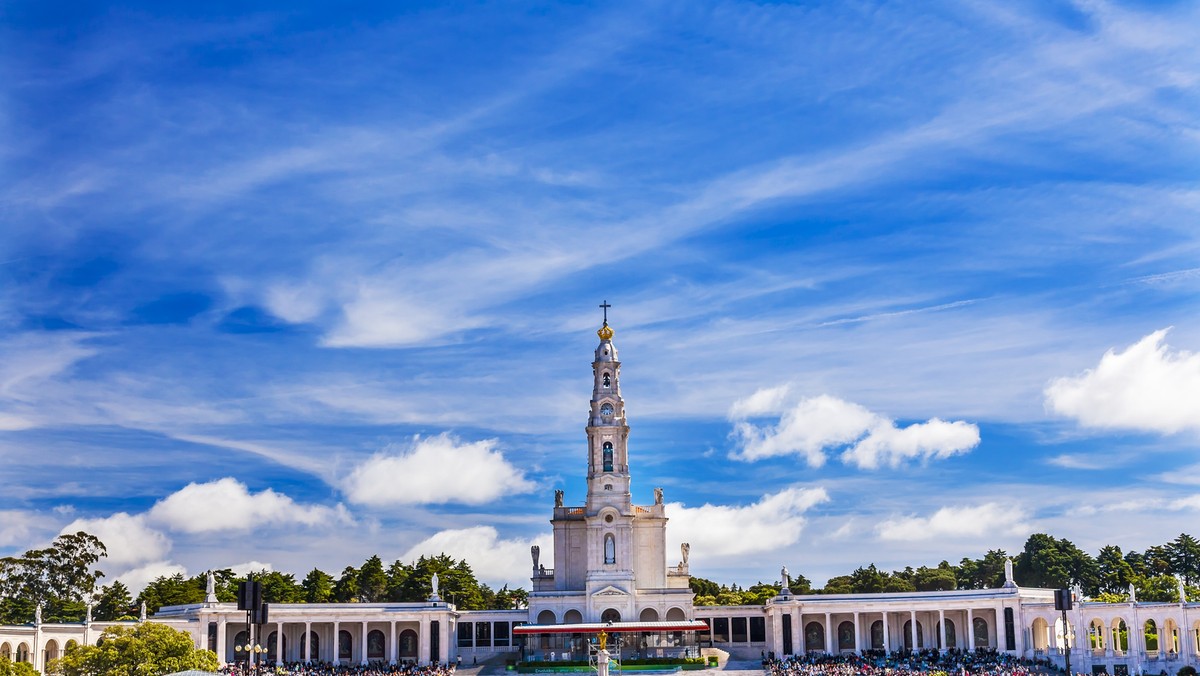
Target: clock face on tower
[606,410]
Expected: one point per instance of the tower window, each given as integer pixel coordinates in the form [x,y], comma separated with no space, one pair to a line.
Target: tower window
[610,549]
[608,456]
[607,381]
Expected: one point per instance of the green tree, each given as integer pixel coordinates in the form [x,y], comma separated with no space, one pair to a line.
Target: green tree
[984,573]
[507,599]
[317,586]
[113,602]
[145,649]
[867,580]
[172,590]
[345,590]
[1115,571]
[942,578]
[60,577]
[397,576]
[1184,555]
[1053,563]
[279,587]
[372,581]
[703,587]
[10,668]
[840,584]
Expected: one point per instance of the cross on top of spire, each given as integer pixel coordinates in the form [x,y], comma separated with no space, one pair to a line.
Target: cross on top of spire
[604,306]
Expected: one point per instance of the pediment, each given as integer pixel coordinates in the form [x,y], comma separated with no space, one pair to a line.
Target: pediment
[610,591]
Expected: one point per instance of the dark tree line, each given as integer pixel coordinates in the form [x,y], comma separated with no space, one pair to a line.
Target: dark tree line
[63,577]
[1045,561]
[370,583]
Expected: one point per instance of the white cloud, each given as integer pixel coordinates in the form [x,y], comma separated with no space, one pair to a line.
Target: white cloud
[1147,387]
[766,401]
[127,537]
[137,578]
[807,428]
[889,445]
[436,470]
[226,504]
[721,530]
[495,561]
[986,520]
[249,567]
[18,526]
[814,425]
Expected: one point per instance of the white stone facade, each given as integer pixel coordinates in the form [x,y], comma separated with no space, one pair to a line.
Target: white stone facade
[610,561]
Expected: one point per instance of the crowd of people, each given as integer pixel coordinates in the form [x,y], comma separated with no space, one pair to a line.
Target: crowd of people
[326,669]
[908,663]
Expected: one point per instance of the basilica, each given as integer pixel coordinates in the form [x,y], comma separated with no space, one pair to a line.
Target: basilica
[609,569]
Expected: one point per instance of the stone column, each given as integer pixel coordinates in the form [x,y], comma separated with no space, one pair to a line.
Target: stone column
[970,629]
[307,642]
[913,628]
[829,631]
[798,632]
[393,641]
[857,635]
[777,632]
[363,643]
[278,643]
[335,644]
[423,642]
[444,638]
[221,648]
[887,643]
[942,629]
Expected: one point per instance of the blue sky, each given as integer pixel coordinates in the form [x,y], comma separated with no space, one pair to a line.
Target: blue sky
[892,283]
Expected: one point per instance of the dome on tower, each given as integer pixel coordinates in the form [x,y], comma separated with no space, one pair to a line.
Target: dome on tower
[606,351]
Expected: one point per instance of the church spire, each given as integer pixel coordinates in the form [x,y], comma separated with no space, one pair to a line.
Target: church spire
[608,463]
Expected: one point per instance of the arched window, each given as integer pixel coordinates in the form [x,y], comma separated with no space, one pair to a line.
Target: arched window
[951,639]
[814,637]
[375,645]
[273,646]
[573,617]
[610,615]
[846,636]
[608,456]
[981,633]
[408,645]
[610,549]
[345,645]
[607,381]
[546,617]
[242,639]
[315,652]
[908,644]
[1151,631]
[877,635]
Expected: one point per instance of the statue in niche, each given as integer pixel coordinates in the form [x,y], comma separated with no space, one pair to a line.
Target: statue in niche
[536,552]
[658,496]
[685,549]
[558,498]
